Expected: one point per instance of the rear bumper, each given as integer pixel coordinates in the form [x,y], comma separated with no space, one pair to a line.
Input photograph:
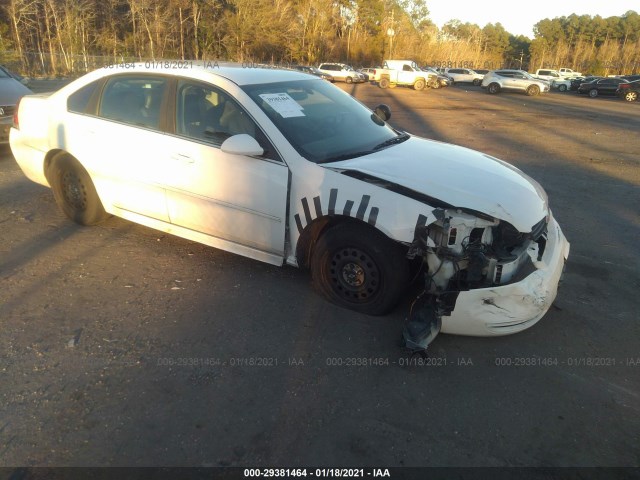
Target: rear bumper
[511,308]
[29,159]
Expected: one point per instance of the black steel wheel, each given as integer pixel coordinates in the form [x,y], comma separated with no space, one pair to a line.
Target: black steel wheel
[74,191]
[357,267]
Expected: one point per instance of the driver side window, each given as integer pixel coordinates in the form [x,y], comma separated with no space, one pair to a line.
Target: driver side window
[206,113]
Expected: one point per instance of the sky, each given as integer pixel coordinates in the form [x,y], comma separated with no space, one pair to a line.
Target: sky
[519,17]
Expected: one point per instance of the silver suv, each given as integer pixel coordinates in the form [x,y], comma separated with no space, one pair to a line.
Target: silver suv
[461,75]
[342,72]
[517,80]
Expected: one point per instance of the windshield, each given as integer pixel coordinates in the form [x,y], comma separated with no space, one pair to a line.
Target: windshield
[323,123]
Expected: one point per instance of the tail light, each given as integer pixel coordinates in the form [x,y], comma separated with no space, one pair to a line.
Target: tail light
[622,86]
[16,121]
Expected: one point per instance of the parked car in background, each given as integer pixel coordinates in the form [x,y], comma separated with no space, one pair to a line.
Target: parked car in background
[631,78]
[481,71]
[370,74]
[341,72]
[17,76]
[285,168]
[314,71]
[601,86]
[437,79]
[11,90]
[514,80]
[464,75]
[577,81]
[629,91]
[549,75]
[561,84]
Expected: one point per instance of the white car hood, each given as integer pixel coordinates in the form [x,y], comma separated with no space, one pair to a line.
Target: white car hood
[458,176]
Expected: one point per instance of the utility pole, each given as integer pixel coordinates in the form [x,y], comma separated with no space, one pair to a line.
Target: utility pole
[521,56]
[391,32]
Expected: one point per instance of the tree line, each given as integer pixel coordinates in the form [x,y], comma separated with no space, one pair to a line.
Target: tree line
[67,36]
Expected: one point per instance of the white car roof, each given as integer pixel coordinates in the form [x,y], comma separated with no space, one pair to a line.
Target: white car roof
[249,74]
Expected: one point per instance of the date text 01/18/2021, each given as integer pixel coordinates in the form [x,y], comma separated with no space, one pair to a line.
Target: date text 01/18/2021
[317,472]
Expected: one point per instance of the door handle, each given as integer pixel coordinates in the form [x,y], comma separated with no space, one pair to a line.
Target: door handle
[182,158]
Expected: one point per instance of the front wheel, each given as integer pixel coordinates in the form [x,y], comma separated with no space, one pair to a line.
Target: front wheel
[356,267]
[477,82]
[533,90]
[419,85]
[593,93]
[562,88]
[349,80]
[74,191]
[631,96]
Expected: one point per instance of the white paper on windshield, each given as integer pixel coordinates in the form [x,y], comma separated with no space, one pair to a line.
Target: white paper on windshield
[283,104]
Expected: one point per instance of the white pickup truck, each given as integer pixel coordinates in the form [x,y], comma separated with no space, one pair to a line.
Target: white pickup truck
[567,72]
[402,72]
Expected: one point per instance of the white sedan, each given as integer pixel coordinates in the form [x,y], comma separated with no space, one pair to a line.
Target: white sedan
[283,167]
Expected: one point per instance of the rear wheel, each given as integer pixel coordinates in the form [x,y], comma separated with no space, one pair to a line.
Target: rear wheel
[357,267]
[562,88]
[593,93]
[533,90]
[74,191]
[384,83]
[631,96]
[493,88]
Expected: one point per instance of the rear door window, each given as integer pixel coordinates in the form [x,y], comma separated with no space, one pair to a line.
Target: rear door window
[135,100]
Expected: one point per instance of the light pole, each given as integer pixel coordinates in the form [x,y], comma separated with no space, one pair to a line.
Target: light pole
[390,32]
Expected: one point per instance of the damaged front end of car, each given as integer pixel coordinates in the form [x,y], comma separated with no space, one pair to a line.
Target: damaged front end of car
[482,276]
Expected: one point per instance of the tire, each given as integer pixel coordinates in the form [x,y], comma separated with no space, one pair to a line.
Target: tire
[477,82]
[562,88]
[593,93]
[384,83]
[74,191]
[533,90]
[493,88]
[348,80]
[356,267]
[419,85]
[436,84]
[631,96]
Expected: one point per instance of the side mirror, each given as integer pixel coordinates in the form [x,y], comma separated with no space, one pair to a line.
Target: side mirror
[242,144]
[383,112]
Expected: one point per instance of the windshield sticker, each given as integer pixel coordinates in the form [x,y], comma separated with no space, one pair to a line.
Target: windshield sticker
[283,104]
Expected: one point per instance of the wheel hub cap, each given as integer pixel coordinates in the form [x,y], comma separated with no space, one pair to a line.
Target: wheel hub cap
[353,274]
[74,191]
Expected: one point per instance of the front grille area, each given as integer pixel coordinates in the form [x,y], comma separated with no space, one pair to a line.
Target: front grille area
[7,109]
[539,229]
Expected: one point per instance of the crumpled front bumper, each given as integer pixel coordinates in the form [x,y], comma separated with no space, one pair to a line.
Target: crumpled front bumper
[511,308]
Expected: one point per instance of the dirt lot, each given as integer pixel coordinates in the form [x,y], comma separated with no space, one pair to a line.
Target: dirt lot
[124,346]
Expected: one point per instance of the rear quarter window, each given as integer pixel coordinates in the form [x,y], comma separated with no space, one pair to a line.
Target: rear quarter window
[78,101]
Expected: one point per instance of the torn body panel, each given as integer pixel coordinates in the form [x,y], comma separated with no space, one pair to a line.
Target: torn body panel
[513,294]
[512,307]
